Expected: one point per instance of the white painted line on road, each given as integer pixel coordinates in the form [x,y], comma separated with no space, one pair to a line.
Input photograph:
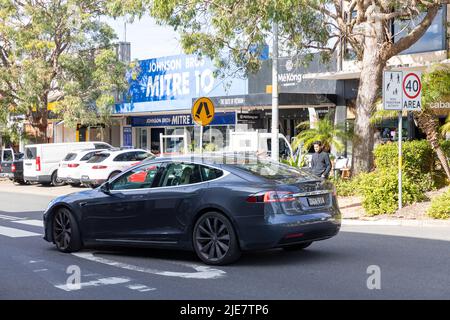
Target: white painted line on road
[93,283]
[40,270]
[17,233]
[140,287]
[4,217]
[37,223]
[202,272]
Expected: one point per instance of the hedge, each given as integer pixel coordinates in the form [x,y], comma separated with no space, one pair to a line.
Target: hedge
[440,206]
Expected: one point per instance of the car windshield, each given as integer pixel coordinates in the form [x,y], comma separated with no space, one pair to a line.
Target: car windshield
[98,158]
[273,171]
[7,155]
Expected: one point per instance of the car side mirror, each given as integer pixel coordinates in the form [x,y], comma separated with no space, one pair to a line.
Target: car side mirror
[105,188]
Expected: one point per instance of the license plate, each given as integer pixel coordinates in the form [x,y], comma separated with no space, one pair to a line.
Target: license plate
[316,201]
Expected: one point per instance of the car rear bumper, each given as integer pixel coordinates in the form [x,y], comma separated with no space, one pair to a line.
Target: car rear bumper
[70,180]
[282,230]
[40,179]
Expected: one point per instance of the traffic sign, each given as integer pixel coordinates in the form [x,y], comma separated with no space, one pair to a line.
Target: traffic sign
[392,90]
[412,91]
[203,111]
[402,90]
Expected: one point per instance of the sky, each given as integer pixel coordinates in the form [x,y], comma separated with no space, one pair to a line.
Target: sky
[148,40]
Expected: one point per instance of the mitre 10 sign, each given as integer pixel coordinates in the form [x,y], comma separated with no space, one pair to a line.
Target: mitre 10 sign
[402,90]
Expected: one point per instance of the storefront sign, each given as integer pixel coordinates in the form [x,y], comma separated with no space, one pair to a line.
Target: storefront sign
[170,83]
[181,120]
[248,117]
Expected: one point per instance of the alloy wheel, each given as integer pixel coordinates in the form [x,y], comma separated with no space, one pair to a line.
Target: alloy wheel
[212,238]
[62,229]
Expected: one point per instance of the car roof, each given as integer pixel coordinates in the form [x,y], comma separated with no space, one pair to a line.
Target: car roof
[212,158]
[119,151]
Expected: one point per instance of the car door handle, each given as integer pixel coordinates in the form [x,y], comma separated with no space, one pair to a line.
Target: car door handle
[83,204]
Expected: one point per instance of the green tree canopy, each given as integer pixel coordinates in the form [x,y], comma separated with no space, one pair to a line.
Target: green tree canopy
[57,50]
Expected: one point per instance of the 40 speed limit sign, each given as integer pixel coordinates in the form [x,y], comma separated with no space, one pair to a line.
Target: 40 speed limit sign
[402,90]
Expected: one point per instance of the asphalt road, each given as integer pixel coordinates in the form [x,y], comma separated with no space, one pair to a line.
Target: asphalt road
[413,264]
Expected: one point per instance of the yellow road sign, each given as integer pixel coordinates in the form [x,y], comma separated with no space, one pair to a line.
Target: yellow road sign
[203,111]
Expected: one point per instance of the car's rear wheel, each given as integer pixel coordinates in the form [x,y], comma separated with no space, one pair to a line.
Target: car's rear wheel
[299,246]
[56,182]
[66,234]
[215,240]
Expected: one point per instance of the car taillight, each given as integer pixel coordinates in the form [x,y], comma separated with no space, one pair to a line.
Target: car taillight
[73,165]
[99,167]
[38,163]
[13,168]
[271,196]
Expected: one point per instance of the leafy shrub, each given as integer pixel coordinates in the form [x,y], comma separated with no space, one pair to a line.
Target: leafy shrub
[417,160]
[446,147]
[346,188]
[440,206]
[380,191]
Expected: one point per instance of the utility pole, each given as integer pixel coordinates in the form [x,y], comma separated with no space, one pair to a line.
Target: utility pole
[275,147]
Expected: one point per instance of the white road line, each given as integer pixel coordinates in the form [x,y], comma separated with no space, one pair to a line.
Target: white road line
[202,272]
[40,270]
[16,233]
[140,287]
[37,223]
[93,283]
[4,217]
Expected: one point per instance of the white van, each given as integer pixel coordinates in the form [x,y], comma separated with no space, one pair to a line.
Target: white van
[42,160]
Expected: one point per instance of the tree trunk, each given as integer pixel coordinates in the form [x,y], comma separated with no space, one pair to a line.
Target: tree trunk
[368,91]
[429,124]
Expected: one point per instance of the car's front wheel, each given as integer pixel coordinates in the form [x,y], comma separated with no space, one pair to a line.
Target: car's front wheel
[215,240]
[66,234]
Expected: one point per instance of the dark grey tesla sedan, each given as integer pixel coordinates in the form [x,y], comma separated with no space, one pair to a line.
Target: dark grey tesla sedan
[217,206]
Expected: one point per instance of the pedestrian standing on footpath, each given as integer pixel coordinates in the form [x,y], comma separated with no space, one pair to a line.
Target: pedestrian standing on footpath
[320,162]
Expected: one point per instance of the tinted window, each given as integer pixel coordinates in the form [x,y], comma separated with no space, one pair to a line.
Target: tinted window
[98,158]
[273,170]
[141,155]
[177,174]
[127,156]
[138,178]
[209,173]
[88,156]
[433,38]
[70,157]
[30,153]
[8,155]
[19,156]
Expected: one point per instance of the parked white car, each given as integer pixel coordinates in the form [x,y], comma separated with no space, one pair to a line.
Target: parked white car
[107,164]
[69,168]
[42,160]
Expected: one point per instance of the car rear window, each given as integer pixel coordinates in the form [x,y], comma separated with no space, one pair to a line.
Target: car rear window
[70,157]
[7,155]
[98,158]
[273,171]
[88,156]
[30,153]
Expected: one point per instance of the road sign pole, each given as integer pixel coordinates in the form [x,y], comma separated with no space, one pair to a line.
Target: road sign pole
[400,155]
[201,139]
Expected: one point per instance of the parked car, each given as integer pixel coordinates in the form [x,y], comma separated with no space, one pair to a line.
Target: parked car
[42,160]
[215,206]
[11,166]
[69,167]
[107,164]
